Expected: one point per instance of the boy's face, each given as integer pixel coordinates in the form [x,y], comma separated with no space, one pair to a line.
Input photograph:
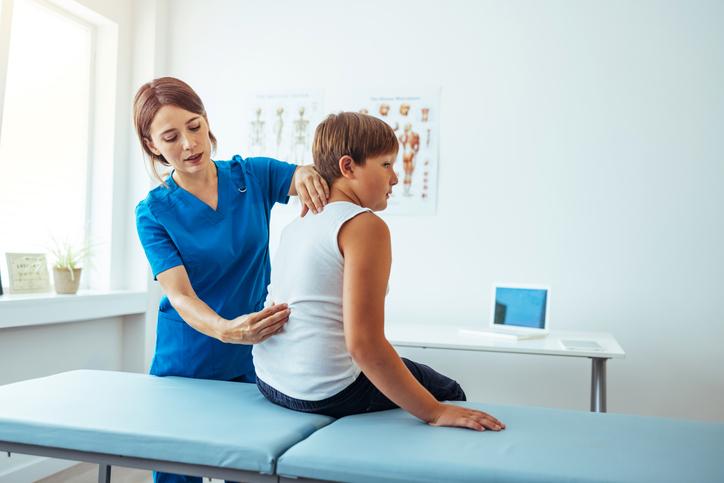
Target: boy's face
[375,179]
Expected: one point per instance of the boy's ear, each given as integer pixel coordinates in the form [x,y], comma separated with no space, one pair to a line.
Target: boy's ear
[151,147]
[346,166]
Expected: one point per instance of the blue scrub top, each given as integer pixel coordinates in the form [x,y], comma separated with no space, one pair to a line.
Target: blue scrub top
[226,254]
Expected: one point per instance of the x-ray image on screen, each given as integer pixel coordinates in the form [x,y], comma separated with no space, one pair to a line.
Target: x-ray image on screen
[520,307]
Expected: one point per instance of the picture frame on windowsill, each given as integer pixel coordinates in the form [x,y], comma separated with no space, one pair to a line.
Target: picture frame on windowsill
[28,273]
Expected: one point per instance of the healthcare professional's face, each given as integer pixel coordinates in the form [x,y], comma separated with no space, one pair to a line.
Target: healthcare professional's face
[182,137]
[375,179]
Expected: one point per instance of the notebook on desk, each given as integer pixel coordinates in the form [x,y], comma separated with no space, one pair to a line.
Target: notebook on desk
[518,312]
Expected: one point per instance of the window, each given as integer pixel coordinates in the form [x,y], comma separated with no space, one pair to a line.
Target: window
[45,130]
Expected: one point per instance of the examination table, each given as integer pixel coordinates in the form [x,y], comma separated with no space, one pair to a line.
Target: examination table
[228,430]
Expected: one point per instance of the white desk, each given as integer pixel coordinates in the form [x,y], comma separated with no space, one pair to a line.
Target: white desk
[451,337]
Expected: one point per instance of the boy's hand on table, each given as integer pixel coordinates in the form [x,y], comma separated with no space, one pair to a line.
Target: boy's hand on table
[460,417]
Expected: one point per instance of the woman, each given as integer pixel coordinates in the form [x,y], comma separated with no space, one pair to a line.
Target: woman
[205,231]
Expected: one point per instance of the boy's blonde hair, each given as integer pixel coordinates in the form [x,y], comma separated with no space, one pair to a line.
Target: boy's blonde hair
[358,136]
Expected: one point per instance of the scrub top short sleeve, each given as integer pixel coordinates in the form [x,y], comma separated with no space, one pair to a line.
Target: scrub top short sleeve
[160,250]
[274,177]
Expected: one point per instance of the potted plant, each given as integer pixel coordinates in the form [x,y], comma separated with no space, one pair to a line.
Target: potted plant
[67,267]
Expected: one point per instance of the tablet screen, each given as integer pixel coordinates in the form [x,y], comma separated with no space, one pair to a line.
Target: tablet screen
[520,307]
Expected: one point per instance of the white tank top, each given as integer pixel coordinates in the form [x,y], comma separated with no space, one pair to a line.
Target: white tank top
[308,360]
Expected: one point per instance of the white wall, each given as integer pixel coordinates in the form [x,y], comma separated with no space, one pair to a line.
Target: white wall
[49,349]
[579,149]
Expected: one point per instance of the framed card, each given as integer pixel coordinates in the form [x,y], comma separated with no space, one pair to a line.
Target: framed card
[28,272]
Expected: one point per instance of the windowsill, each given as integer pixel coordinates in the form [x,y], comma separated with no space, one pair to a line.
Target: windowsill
[20,310]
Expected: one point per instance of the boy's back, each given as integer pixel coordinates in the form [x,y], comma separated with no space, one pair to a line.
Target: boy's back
[318,364]
[309,360]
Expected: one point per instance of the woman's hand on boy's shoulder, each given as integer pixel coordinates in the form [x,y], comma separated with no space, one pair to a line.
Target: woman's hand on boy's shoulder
[311,188]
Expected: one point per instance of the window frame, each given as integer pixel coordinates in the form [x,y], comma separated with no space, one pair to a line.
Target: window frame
[98,231]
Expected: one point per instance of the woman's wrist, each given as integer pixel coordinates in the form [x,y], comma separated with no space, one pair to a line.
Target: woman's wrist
[298,178]
[298,171]
[221,329]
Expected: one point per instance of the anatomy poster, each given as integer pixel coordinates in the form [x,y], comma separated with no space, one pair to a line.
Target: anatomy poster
[415,118]
[281,124]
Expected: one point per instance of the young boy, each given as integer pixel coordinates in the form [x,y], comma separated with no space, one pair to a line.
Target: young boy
[332,270]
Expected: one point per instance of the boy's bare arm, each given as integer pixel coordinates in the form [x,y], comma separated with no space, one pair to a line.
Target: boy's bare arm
[365,245]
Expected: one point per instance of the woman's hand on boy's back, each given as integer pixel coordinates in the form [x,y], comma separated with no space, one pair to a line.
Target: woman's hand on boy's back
[246,329]
[461,417]
[255,327]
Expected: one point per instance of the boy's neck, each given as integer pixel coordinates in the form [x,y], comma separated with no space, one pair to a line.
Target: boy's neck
[343,193]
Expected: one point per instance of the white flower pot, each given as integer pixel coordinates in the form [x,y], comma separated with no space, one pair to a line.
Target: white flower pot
[66,281]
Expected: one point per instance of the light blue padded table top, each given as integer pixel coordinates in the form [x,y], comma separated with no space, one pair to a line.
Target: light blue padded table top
[223,424]
[539,445]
